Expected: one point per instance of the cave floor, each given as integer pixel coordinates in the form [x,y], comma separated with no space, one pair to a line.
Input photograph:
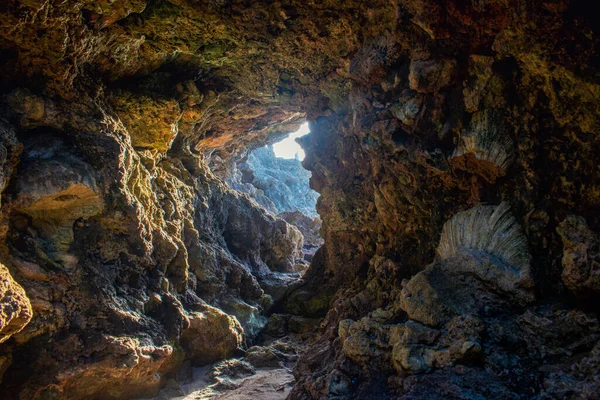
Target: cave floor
[266,384]
[265,372]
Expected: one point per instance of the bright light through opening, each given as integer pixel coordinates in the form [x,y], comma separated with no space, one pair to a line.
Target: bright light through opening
[288,148]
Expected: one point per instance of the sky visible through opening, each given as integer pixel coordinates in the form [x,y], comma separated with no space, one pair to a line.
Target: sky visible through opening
[288,148]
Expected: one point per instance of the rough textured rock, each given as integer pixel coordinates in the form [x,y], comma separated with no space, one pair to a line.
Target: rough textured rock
[121,121]
[15,309]
[278,184]
[211,335]
[581,251]
[310,229]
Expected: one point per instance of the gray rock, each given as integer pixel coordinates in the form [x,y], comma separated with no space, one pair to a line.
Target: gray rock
[282,181]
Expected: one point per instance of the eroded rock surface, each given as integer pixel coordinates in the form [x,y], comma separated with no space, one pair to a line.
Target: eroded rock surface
[453,145]
[281,181]
[15,309]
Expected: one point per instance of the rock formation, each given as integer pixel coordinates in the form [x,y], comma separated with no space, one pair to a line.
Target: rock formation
[453,145]
[281,186]
[278,184]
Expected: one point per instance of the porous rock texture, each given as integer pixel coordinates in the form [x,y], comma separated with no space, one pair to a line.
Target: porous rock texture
[453,144]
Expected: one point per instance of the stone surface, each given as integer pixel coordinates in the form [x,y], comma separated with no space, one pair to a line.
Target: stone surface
[211,335]
[15,309]
[278,184]
[122,120]
[431,75]
[581,255]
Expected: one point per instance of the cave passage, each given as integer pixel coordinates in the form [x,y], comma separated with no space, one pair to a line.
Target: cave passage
[274,177]
[159,237]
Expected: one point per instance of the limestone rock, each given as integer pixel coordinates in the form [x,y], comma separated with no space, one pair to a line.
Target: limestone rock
[408,107]
[54,189]
[431,75]
[262,357]
[121,368]
[15,308]
[152,123]
[481,247]
[578,380]
[284,183]
[581,259]
[489,142]
[212,335]
[141,108]
[10,150]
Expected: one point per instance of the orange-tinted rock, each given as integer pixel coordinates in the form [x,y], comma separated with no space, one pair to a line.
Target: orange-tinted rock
[15,308]
[117,224]
[212,335]
[431,75]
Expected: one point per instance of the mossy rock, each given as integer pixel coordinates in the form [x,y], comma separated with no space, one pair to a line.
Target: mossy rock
[151,122]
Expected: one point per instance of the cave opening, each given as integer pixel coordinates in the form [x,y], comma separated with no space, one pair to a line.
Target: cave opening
[273,176]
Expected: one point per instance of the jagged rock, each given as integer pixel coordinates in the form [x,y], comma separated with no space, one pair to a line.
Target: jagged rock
[262,357]
[484,88]
[152,103]
[578,381]
[479,248]
[251,234]
[249,317]
[10,150]
[278,184]
[408,107]
[280,325]
[15,309]
[118,368]
[55,188]
[152,123]
[366,342]
[309,227]
[431,75]
[581,255]
[489,142]
[212,335]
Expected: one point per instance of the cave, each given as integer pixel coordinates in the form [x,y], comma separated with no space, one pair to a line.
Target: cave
[274,177]
[437,238]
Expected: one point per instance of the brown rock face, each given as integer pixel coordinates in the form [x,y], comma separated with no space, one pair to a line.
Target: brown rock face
[15,309]
[454,146]
[581,263]
[212,335]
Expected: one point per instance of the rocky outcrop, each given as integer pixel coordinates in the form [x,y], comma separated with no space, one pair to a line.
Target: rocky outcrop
[278,184]
[580,261]
[450,209]
[15,309]
[281,186]
[452,143]
[310,229]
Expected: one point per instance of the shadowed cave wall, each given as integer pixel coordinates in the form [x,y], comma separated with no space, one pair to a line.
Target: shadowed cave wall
[453,145]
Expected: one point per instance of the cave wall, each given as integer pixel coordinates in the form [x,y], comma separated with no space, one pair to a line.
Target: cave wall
[453,145]
[460,211]
[125,256]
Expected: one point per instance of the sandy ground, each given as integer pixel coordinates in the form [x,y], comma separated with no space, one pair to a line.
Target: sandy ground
[266,384]
[273,384]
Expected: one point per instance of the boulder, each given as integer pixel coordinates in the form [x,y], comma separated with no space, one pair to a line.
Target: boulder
[581,256]
[212,335]
[15,308]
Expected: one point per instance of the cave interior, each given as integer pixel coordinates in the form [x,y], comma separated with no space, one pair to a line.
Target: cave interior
[437,238]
